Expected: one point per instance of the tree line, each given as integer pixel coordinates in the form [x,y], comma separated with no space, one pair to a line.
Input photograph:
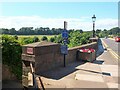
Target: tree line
[107,33]
[36,31]
[55,31]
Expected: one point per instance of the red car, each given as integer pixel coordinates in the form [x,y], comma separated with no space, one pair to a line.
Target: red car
[117,39]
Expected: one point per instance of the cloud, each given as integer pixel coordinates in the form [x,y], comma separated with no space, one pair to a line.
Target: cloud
[73,23]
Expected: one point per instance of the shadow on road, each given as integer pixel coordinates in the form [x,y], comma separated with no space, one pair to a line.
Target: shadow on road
[61,72]
[98,62]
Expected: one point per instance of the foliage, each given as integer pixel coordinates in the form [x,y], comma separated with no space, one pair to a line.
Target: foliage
[76,38]
[16,37]
[106,33]
[58,39]
[27,40]
[114,31]
[36,39]
[44,38]
[36,31]
[118,34]
[52,39]
[11,54]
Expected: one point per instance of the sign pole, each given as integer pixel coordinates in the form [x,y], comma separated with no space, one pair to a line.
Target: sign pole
[64,61]
[65,28]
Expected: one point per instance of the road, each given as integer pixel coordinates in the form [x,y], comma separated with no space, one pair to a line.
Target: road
[113,46]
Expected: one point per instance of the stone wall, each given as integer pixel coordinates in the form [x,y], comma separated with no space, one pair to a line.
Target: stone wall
[52,57]
[47,57]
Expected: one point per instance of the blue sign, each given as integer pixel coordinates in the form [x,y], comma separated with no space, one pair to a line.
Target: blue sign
[64,49]
[65,34]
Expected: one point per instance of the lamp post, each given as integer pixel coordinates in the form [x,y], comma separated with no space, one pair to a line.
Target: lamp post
[93,19]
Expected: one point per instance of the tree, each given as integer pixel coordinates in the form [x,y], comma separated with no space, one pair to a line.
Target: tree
[12,31]
[4,31]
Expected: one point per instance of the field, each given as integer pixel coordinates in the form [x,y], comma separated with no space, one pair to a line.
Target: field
[39,36]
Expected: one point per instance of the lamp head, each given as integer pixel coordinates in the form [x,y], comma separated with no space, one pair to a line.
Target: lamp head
[93,18]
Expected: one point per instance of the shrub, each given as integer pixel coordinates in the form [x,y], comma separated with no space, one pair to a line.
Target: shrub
[52,39]
[76,38]
[11,54]
[44,38]
[58,39]
[16,37]
[26,40]
[36,39]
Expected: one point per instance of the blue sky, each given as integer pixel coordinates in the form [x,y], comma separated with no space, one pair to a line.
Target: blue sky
[74,12]
[65,10]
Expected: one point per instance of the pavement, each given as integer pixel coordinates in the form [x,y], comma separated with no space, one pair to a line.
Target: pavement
[101,74]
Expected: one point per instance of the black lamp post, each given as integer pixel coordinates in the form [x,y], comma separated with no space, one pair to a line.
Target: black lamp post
[93,19]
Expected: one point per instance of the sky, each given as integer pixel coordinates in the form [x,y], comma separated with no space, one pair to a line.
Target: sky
[53,14]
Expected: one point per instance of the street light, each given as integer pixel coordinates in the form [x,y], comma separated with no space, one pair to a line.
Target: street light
[93,19]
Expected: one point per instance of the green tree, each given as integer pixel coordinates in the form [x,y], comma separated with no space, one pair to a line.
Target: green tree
[12,31]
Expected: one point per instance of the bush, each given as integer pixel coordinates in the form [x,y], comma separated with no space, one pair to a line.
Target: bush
[11,54]
[16,37]
[76,38]
[36,39]
[26,40]
[44,38]
[58,39]
[52,39]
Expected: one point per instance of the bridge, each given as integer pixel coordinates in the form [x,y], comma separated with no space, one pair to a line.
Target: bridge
[44,67]
[101,73]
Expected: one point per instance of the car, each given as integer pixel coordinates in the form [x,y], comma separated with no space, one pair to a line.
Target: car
[117,39]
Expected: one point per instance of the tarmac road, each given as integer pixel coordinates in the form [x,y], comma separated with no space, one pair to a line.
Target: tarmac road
[115,46]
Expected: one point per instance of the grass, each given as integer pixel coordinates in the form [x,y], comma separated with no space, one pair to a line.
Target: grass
[39,36]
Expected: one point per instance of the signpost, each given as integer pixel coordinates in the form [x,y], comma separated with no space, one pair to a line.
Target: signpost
[64,48]
[65,34]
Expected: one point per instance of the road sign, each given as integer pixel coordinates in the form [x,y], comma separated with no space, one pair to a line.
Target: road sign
[65,41]
[29,50]
[64,49]
[65,34]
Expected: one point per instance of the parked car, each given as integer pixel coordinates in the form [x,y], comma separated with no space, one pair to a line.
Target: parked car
[117,39]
